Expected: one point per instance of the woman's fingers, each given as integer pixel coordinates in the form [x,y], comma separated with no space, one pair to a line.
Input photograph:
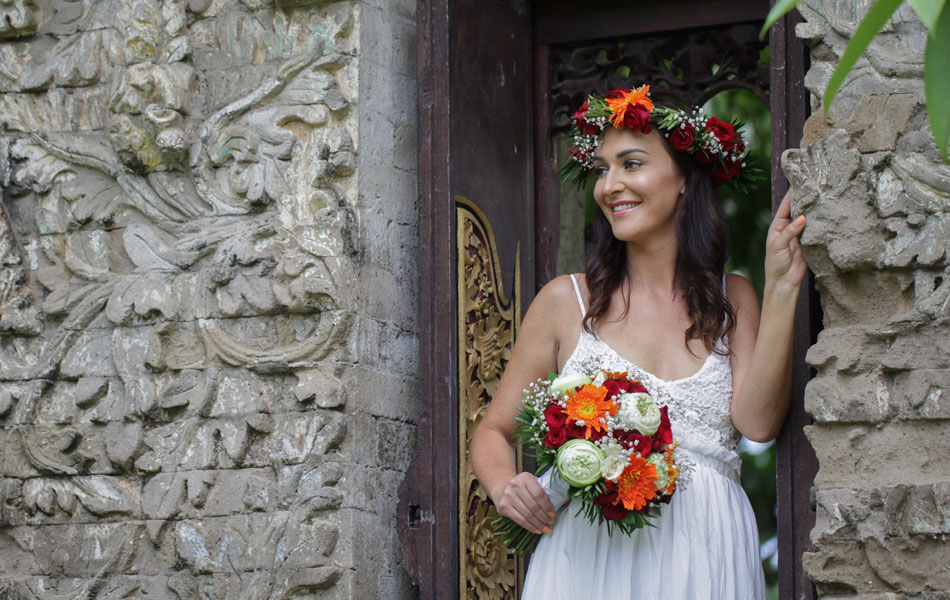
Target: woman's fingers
[790,232]
[784,210]
[526,502]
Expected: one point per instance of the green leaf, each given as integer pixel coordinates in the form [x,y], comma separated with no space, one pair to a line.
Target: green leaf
[880,12]
[781,8]
[929,12]
[936,82]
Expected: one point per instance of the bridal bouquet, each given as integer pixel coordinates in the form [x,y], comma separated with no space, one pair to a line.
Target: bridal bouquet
[604,436]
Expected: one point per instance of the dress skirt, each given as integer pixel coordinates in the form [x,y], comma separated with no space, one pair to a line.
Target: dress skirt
[704,546]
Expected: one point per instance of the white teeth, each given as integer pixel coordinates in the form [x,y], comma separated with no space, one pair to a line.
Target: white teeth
[621,207]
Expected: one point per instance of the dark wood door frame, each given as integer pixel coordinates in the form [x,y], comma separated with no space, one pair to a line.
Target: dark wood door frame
[797,463]
[428,518]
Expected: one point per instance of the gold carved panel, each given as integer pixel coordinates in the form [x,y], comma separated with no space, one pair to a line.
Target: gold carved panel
[488,322]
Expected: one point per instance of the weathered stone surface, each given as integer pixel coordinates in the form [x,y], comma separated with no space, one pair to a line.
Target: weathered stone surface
[196,295]
[873,565]
[869,456]
[876,193]
[900,510]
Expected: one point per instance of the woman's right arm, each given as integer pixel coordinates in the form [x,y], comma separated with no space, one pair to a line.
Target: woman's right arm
[518,495]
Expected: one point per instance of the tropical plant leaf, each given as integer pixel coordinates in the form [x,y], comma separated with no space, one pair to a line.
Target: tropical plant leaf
[872,24]
[936,82]
[929,12]
[781,8]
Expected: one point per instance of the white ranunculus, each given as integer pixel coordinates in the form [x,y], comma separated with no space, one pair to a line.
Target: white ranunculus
[579,462]
[639,411]
[569,381]
[658,460]
[614,465]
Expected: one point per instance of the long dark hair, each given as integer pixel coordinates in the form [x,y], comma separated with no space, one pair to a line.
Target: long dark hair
[702,241]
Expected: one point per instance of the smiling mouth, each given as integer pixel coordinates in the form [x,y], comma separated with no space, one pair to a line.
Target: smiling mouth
[624,206]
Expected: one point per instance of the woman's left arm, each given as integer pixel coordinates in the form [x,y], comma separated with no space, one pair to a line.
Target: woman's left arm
[762,340]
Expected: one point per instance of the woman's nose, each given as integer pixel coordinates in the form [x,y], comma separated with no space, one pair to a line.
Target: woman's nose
[612,181]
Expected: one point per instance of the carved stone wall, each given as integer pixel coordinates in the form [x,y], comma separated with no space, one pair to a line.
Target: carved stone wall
[877,197]
[207,279]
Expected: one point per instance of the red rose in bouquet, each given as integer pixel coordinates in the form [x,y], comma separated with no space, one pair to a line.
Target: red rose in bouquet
[615,387]
[664,435]
[609,503]
[555,417]
[638,441]
[556,438]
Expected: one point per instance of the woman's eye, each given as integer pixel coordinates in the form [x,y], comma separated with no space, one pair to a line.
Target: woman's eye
[632,164]
[599,171]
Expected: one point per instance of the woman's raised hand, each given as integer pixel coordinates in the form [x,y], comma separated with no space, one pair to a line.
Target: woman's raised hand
[784,263]
[526,503]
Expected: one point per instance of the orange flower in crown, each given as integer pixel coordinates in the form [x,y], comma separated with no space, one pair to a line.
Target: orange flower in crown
[631,108]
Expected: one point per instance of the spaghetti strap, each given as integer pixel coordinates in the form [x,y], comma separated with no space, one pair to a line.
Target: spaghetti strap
[580,299]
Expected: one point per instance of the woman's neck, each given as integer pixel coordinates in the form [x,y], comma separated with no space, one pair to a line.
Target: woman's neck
[652,267]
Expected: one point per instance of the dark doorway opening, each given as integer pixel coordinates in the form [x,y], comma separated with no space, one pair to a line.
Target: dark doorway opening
[480,63]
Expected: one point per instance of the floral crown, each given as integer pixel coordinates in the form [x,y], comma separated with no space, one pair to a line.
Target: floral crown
[711,141]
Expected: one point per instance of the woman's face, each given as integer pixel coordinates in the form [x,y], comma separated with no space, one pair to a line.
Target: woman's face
[638,187]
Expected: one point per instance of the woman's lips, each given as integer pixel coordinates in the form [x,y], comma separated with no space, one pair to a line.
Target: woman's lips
[619,208]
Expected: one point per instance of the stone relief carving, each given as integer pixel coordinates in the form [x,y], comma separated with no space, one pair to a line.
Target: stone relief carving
[875,191]
[175,276]
[17,18]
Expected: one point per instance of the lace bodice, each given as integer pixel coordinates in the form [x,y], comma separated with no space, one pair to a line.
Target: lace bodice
[699,405]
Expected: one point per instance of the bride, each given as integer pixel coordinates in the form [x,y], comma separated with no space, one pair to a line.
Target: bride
[654,302]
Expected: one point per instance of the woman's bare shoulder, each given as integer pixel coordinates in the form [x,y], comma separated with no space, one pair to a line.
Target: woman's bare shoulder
[555,307]
[740,291]
[559,294]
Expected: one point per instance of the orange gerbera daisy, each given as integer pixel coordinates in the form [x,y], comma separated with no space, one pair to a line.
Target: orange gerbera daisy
[590,404]
[621,104]
[637,484]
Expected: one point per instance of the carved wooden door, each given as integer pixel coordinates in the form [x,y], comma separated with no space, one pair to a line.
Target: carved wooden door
[496,80]
[476,272]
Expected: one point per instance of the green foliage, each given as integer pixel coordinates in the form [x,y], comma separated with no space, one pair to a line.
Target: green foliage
[758,481]
[936,80]
[746,210]
[936,56]
[779,10]
[928,11]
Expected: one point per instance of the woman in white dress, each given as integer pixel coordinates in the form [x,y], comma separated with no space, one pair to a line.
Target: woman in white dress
[654,302]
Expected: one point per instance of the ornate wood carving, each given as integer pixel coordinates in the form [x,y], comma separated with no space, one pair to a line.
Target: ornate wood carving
[685,68]
[488,322]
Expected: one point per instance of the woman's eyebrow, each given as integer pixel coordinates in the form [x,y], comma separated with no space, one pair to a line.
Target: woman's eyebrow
[621,154]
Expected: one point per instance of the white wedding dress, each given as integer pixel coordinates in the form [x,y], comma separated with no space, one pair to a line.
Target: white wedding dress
[705,544]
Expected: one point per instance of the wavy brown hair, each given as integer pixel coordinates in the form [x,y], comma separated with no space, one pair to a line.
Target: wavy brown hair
[702,241]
